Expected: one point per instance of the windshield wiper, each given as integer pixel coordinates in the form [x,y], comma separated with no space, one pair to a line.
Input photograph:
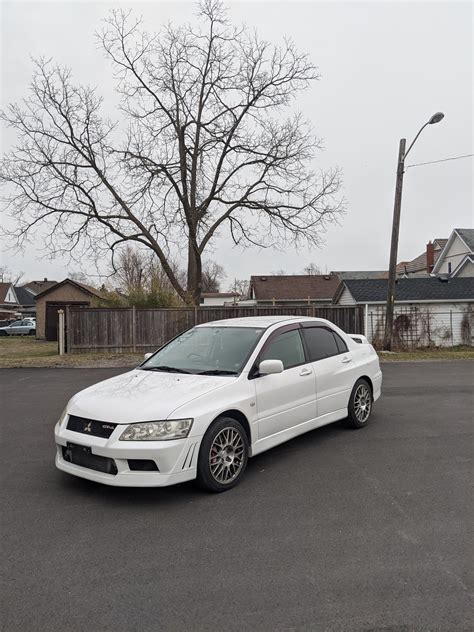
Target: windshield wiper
[164,368]
[217,372]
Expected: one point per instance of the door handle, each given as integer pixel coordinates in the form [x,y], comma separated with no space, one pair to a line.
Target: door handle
[305,372]
[346,359]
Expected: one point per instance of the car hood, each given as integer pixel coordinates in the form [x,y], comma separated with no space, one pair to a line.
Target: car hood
[142,395]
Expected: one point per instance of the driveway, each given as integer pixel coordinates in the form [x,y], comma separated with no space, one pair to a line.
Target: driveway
[336,530]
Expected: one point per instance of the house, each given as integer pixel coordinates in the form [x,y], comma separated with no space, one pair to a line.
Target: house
[457,256]
[60,296]
[216,299]
[26,299]
[9,306]
[293,289]
[428,310]
[422,265]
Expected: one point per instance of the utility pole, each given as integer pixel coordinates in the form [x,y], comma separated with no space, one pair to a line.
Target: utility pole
[392,270]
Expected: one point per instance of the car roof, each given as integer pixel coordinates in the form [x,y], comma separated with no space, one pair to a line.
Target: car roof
[262,322]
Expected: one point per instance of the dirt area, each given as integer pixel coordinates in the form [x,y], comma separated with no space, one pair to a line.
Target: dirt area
[25,351]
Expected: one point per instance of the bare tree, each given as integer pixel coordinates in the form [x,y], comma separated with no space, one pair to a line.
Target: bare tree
[212,276]
[312,268]
[204,148]
[240,287]
[7,276]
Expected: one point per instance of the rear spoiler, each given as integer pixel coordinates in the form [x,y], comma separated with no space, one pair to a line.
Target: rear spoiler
[361,340]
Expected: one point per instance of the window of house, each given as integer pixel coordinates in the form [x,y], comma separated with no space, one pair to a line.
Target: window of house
[321,343]
[449,267]
[286,347]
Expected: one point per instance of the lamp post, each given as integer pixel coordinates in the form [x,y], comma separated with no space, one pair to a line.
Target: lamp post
[392,270]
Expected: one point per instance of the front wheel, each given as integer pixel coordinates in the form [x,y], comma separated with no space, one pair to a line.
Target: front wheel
[223,455]
[360,404]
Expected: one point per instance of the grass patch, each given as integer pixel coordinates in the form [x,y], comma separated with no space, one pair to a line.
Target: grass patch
[429,353]
[26,351]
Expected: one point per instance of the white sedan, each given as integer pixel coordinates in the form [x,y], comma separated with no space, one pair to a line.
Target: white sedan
[214,396]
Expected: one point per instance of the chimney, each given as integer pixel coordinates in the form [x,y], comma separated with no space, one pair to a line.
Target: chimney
[429,257]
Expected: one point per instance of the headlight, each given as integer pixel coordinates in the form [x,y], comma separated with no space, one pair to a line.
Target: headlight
[62,417]
[157,430]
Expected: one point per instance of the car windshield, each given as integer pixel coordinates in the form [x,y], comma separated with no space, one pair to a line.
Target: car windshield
[207,351]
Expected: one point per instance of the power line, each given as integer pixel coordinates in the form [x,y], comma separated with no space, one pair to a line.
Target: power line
[432,162]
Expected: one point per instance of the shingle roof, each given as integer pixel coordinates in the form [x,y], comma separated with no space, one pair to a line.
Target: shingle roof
[294,287]
[419,263]
[38,286]
[24,296]
[83,286]
[467,235]
[414,289]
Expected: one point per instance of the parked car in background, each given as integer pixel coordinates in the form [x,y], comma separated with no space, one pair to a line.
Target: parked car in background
[214,396]
[25,327]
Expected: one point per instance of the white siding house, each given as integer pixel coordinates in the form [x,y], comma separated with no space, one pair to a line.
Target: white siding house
[428,311]
[457,257]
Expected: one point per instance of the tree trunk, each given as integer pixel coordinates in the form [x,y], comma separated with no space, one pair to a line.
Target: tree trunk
[194,275]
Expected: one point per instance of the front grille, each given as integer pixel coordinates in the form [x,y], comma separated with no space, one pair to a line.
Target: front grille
[90,426]
[82,455]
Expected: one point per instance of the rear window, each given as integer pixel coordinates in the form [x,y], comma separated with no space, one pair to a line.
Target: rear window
[321,343]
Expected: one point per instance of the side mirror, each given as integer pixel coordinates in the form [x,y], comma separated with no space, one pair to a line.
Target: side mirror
[148,355]
[269,367]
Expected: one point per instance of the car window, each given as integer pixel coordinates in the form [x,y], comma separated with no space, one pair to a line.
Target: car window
[17,323]
[286,347]
[341,345]
[320,342]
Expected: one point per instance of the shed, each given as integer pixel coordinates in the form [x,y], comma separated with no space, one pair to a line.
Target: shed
[60,296]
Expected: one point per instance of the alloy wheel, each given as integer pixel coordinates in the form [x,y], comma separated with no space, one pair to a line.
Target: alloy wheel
[226,455]
[362,403]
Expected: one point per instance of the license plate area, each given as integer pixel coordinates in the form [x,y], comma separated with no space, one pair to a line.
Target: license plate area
[82,455]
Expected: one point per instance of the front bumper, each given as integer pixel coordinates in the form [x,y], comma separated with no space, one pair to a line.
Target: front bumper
[176,460]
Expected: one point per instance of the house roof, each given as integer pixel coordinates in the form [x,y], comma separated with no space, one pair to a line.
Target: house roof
[294,287]
[361,274]
[411,289]
[4,287]
[81,286]
[419,263]
[25,297]
[467,235]
[38,286]
[219,294]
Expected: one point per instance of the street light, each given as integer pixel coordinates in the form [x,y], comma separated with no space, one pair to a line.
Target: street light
[392,271]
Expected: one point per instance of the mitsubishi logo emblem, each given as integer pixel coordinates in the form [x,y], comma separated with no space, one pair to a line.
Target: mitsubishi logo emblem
[87,427]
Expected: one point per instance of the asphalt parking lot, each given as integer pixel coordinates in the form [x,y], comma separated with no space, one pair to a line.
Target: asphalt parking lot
[335,530]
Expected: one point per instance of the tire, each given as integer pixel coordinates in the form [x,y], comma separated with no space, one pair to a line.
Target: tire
[360,404]
[224,441]
[3,333]
[32,332]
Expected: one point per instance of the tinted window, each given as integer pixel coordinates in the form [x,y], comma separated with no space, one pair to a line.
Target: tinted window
[320,342]
[286,347]
[341,345]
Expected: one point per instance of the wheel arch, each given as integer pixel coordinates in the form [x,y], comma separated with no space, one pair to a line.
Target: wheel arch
[369,381]
[239,416]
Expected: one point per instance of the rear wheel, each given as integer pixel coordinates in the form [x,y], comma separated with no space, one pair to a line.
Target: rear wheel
[32,332]
[223,455]
[360,404]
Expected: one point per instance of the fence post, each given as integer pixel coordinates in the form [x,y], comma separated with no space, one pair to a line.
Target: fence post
[451,325]
[61,332]
[134,329]
[68,326]
[195,315]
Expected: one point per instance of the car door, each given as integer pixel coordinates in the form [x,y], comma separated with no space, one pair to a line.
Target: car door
[285,399]
[333,367]
[14,329]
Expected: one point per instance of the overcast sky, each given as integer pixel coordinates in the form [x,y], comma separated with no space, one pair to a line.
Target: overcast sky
[386,67]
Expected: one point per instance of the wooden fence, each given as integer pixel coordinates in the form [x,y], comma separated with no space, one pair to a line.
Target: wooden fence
[130,330]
